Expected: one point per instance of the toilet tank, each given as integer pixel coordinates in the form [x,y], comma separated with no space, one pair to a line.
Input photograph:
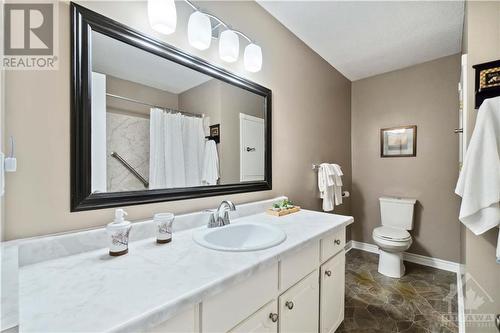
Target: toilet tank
[397,212]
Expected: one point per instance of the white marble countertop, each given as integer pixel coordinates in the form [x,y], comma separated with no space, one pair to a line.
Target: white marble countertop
[93,292]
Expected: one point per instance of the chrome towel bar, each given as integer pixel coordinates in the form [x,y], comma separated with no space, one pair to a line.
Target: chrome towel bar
[131,169]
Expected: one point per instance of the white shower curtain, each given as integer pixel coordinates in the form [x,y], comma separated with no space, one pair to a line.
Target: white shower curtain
[176,150]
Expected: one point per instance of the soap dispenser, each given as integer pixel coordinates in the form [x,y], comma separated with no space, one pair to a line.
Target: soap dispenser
[118,232]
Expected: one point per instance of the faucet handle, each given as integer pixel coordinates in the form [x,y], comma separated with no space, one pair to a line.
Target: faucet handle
[212,221]
[225,219]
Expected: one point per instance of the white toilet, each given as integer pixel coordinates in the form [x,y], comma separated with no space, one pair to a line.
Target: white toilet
[392,237]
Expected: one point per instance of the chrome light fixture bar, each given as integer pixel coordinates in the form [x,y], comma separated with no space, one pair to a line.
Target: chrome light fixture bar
[163,18]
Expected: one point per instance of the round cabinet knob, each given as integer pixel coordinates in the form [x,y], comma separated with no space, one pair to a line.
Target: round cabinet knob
[273,317]
[328,273]
[289,305]
[337,241]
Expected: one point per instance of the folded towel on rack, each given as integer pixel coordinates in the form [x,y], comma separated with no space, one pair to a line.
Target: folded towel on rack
[337,183]
[210,172]
[325,186]
[330,185]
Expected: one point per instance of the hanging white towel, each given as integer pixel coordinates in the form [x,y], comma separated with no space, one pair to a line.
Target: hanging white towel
[210,173]
[325,186]
[337,178]
[479,181]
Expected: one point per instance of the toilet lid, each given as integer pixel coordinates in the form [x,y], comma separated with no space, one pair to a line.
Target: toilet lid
[391,233]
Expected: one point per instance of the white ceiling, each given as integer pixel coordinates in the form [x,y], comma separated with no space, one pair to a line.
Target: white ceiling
[115,58]
[362,39]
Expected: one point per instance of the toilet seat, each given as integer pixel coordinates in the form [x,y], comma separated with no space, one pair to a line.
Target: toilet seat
[391,234]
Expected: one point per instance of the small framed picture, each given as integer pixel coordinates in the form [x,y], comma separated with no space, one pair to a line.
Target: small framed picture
[398,141]
[215,132]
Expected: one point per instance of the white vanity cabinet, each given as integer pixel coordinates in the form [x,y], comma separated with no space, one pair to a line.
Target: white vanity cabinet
[299,306]
[302,292]
[332,281]
[184,322]
[264,320]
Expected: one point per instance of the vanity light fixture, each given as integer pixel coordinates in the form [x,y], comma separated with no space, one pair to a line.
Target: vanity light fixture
[200,32]
[229,46]
[252,58]
[162,16]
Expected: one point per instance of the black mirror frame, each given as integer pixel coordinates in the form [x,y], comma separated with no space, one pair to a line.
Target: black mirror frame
[83,22]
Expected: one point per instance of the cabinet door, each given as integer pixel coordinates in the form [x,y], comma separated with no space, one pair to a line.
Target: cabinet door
[332,293]
[299,306]
[263,321]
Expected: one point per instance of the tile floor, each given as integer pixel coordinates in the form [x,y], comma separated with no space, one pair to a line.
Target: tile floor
[424,300]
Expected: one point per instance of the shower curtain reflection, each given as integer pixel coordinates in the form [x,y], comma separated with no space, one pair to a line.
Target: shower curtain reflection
[177,146]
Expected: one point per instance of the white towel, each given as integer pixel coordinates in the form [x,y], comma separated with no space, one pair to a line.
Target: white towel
[337,178]
[325,186]
[210,173]
[479,181]
[330,185]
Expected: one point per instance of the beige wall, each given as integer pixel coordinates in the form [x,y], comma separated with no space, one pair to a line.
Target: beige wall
[482,44]
[138,92]
[203,99]
[424,95]
[233,102]
[223,102]
[311,121]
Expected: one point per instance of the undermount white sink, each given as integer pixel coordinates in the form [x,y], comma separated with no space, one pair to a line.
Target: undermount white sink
[240,237]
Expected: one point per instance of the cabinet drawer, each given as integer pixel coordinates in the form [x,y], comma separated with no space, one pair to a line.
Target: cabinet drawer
[224,311]
[332,293]
[295,266]
[299,306]
[332,244]
[263,321]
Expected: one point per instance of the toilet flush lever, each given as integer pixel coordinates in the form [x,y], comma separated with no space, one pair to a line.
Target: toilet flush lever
[337,242]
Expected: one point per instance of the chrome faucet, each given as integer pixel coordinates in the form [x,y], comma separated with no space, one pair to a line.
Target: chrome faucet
[216,220]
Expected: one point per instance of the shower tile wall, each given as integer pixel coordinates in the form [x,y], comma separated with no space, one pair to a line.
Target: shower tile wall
[128,136]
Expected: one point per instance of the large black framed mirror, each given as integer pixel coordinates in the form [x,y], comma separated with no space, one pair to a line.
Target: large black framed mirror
[151,123]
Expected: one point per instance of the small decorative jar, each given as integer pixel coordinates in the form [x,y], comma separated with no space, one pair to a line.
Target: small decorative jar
[164,223]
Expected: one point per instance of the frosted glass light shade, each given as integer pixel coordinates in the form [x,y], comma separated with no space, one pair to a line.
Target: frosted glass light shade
[229,46]
[162,15]
[199,31]
[253,58]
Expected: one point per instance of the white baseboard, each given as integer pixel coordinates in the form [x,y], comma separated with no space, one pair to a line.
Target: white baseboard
[445,265]
[426,261]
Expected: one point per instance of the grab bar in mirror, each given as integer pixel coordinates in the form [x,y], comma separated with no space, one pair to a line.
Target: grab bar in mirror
[130,168]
